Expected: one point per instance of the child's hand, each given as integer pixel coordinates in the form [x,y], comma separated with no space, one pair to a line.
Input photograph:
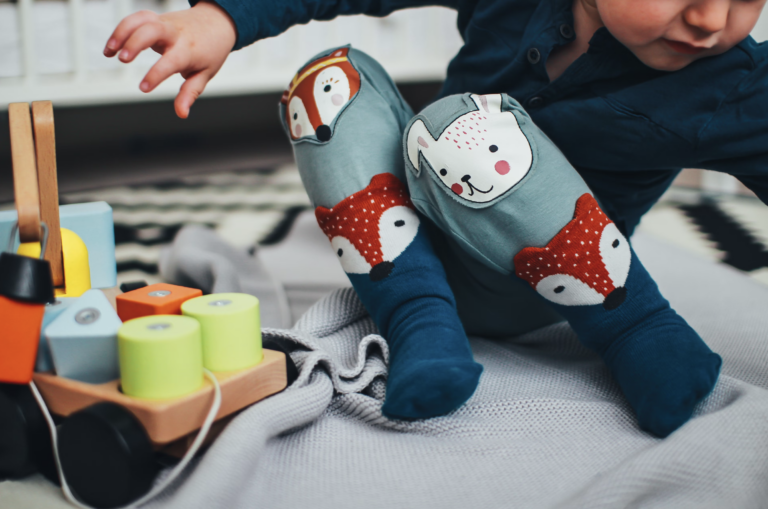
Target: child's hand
[194,42]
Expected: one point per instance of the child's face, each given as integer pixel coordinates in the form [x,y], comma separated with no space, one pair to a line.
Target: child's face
[670,34]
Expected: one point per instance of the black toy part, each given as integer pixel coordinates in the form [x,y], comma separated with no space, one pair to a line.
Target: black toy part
[26,279]
[130,286]
[25,440]
[291,371]
[106,456]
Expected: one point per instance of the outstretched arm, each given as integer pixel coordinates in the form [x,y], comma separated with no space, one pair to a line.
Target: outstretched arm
[259,19]
[735,140]
[196,42]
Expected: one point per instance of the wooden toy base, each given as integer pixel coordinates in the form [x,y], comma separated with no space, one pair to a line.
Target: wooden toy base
[169,420]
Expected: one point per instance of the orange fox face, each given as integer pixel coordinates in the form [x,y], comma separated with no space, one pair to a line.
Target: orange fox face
[586,263]
[370,229]
[318,93]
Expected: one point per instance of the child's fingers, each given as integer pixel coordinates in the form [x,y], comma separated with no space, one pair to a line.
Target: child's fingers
[169,64]
[124,30]
[146,36]
[189,92]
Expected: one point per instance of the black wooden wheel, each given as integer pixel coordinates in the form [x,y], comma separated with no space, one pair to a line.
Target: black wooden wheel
[106,456]
[25,440]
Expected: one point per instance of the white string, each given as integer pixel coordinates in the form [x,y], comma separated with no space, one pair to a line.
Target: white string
[168,480]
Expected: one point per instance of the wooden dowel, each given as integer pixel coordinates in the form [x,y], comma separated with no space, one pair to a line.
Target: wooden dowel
[25,186]
[45,149]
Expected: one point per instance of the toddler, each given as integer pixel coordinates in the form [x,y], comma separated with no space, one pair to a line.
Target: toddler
[446,221]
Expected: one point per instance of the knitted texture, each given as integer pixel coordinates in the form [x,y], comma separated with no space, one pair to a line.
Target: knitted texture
[547,427]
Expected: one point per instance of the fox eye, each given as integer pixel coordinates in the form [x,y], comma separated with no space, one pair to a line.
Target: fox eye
[493,148]
[295,116]
[340,252]
[327,88]
[615,243]
[399,223]
[559,289]
[443,172]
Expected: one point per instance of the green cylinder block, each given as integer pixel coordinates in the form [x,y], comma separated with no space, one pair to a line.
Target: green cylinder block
[231,329]
[161,356]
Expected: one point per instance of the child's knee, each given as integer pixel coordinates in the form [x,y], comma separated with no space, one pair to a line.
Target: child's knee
[345,120]
[483,171]
[318,93]
[332,82]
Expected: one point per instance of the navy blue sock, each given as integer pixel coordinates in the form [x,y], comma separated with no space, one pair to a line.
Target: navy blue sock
[661,364]
[387,256]
[592,275]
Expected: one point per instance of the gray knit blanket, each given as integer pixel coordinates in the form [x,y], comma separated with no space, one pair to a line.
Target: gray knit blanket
[547,428]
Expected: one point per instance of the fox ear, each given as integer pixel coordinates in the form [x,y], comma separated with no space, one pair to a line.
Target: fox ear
[490,103]
[419,139]
[322,215]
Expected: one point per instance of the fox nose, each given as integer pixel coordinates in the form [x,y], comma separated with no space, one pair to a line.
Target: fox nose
[615,298]
[465,178]
[381,270]
[323,132]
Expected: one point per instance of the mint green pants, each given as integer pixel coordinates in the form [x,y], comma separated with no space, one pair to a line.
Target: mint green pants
[348,122]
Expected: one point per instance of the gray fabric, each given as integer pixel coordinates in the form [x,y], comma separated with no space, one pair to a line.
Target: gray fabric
[546,428]
[200,259]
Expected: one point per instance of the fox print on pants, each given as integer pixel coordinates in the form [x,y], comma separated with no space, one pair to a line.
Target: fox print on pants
[524,240]
[363,207]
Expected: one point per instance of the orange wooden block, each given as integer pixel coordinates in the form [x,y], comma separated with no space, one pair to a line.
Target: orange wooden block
[171,419]
[157,299]
[19,338]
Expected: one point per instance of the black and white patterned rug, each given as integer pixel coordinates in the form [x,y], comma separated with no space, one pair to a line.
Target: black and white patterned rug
[252,208]
[727,229]
[246,208]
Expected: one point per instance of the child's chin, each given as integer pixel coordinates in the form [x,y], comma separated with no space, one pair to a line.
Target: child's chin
[664,59]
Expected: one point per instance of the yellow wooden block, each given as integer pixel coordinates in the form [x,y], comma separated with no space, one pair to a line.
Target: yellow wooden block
[77,272]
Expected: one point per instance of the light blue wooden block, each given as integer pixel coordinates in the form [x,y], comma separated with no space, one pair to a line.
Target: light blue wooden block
[93,223]
[52,311]
[83,340]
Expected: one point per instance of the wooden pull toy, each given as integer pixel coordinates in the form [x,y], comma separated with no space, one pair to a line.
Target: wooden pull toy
[34,179]
[81,236]
[122,390]
[37,198]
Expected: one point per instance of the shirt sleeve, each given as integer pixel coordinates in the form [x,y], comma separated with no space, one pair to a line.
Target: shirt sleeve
[259,19]
[735,140]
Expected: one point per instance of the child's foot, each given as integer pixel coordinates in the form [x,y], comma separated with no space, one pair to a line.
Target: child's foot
[387,256]
[591,272]
[429,388]
[664,369]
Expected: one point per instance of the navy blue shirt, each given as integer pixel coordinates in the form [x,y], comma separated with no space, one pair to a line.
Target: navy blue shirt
[628,129]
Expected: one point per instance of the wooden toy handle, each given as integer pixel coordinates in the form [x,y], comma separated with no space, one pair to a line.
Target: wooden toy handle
[25,185]
[34,178]
[45,147]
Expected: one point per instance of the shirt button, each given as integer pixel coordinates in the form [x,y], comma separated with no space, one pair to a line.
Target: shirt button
[535,102]
[534,55]
[566,30]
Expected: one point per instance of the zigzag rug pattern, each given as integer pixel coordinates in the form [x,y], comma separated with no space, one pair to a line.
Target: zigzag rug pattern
[258,207]
[728,229]
[246,208]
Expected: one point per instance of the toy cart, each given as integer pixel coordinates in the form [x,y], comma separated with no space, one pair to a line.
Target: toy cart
[111,446]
